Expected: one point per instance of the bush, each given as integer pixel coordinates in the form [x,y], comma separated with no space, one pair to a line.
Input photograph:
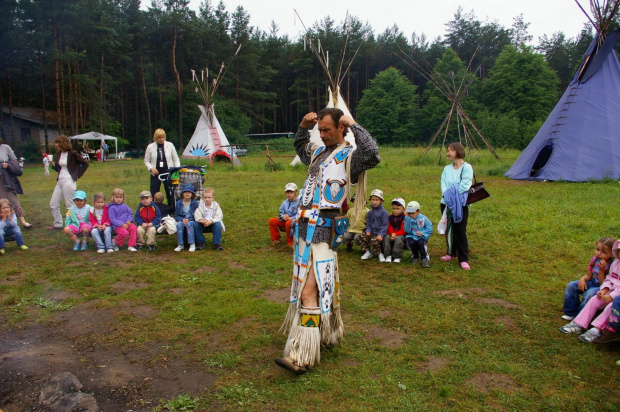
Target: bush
[30,150]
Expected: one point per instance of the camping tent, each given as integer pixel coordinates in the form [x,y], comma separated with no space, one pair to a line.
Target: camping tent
[580,140]
[315,135]
[97,136]
[208,139]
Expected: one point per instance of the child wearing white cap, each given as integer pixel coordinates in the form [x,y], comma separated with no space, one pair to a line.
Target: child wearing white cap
[418,229]
[394,242]
[286,216]
[376,227]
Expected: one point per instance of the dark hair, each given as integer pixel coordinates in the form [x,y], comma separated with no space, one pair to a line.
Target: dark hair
[459,149]
[335,114]
[607,241]
[64,144]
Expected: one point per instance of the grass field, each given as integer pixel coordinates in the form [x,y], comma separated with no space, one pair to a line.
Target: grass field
[179,331]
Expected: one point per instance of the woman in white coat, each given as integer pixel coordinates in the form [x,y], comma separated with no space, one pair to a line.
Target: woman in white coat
[158,158]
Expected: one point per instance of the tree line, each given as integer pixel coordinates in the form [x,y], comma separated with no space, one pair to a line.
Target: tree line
[110,66]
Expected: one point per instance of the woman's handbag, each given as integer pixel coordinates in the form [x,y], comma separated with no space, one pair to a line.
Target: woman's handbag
[476,192]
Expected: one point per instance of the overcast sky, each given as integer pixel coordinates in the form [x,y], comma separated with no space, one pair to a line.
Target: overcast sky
[428,17]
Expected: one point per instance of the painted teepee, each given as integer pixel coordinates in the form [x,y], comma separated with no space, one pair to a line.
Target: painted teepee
[580,141]
[335,97]
[209,139]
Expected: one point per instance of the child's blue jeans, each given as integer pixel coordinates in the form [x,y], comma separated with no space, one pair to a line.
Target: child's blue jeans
[11,230]
[216,228]
[572,305]
[107,236]
[190,232]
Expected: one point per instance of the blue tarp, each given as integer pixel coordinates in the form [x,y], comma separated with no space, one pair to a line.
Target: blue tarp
[580,140]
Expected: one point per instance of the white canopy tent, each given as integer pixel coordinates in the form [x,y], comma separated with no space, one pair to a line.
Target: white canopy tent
[97,136]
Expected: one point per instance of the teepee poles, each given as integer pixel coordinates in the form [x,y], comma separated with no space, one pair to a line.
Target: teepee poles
[453,92]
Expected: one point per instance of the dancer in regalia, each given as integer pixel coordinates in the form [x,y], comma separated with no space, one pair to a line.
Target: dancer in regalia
[313,317]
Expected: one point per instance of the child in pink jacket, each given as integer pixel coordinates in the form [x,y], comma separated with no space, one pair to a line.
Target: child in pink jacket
[610,288]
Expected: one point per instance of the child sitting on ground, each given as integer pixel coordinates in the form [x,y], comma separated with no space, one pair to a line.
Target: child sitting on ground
[288,210]
[418,228]
[147,220]
[589,283]
[355,228]
[209,219]
[376,227]
[610,288]
[394,242]
[9,226]
[101,225]
[184,215]
[121,218]
[77,220]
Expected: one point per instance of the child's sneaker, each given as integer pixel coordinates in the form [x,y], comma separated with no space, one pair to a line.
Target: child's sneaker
[102,250]
[387,259]
[381,257]
[116,248]
[192,247]
[85,245]
[132,249]
[571,328]
[2,251]
[151,247]
[446,258]
[415,261]
[397,260]
[178,248]
[76,245]
[23,247]
[218,247]
[425,263]
[566,317]
[111,250]
[367,255]
[139,246]
[590,335]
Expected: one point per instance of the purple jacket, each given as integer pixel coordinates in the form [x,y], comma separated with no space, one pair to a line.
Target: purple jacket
[119,214]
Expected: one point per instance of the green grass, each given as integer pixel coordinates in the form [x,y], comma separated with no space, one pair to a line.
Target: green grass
[527,241]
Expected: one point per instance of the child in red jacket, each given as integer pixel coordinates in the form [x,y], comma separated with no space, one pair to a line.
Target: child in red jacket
[394,242]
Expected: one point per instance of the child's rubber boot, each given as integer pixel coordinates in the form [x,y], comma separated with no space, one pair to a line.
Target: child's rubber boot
[22,247]
[85,245]
[2,251]
[76,245]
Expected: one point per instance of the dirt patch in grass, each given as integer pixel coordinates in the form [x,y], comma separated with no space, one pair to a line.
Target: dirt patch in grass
[499,302]
[391,339]
[236,265]
[384,313]
[138,311]
[176,291]
[120,380]
[486,382]
[122,287]
[506,321]
[205,269]
[12,280]
[433,364]
[277,296]
[60,295]
[228,338]
[461,293]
